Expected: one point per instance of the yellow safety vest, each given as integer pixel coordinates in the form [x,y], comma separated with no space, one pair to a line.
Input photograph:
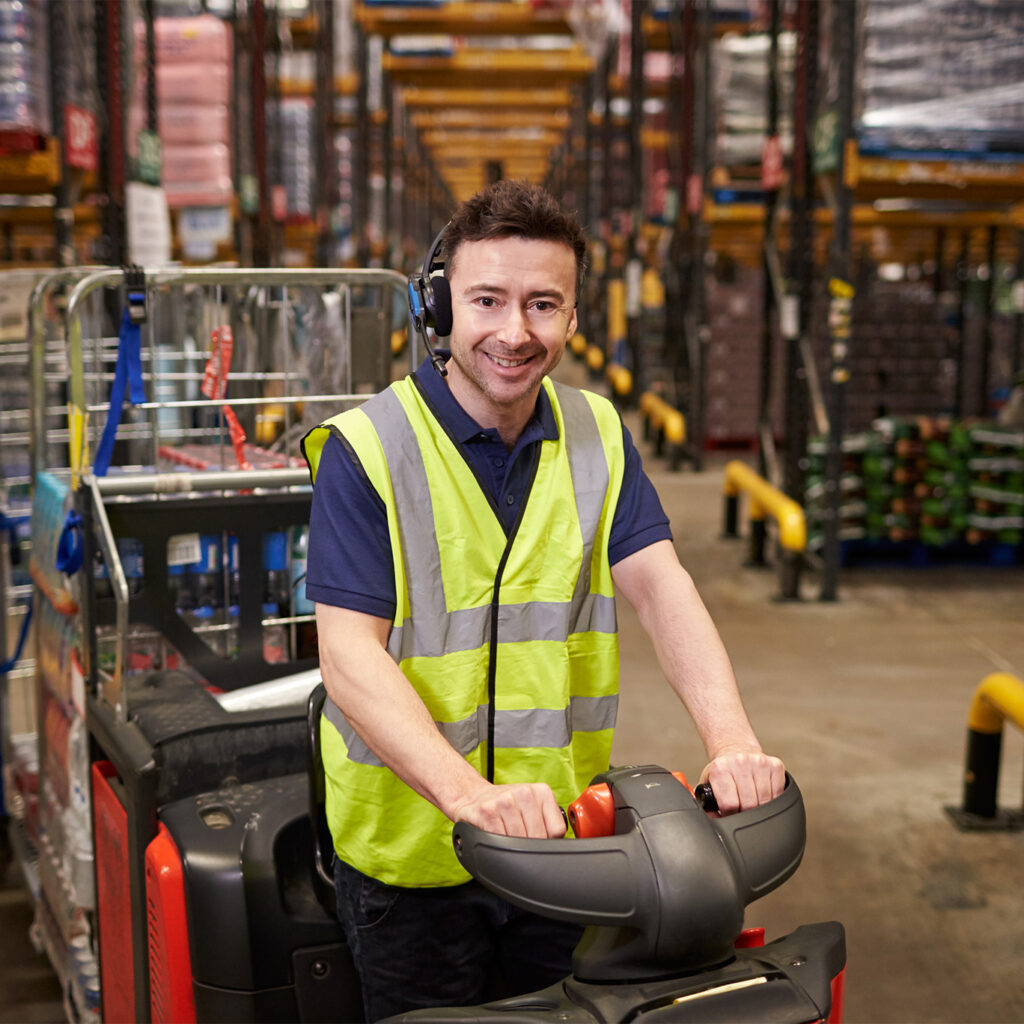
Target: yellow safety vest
[509,639]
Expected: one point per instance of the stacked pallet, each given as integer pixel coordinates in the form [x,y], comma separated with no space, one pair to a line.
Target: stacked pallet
[996,485]
[921,490]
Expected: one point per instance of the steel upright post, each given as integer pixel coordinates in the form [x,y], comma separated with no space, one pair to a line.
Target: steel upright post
[1018,305]
[262,240]
[63,214]
[325,162]
[636,195]
[841,290]
[769,255]
[800,263]
[988,298]
[361,150]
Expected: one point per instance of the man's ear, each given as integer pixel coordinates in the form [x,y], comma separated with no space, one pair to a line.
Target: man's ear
[571,329]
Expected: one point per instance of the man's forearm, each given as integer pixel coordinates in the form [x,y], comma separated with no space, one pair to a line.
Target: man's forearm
[389,716]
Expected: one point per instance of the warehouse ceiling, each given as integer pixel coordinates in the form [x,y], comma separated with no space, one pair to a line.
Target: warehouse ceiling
[485,84]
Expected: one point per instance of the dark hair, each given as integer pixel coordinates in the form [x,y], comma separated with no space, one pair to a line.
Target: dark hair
[515,209]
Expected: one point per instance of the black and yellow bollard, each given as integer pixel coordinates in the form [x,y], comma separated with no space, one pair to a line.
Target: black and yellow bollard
[999,696]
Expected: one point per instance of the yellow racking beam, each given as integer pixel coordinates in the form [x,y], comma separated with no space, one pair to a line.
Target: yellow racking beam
[508,98]
[512,140]
[492,119]
[476,18]
[482,69]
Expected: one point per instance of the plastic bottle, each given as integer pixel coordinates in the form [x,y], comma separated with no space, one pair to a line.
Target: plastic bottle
[276,598]
[301,605]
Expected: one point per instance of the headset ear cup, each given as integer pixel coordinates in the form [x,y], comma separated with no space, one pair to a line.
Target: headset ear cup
[441,306]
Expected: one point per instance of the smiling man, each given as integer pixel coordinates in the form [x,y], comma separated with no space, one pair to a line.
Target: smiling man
[468,536]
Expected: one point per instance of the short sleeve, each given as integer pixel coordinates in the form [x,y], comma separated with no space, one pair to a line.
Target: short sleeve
[639,518]
[349,561]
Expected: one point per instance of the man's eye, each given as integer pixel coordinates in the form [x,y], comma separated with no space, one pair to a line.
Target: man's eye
[487,301]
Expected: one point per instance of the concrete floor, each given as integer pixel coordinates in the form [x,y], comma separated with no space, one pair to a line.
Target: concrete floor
[866,700]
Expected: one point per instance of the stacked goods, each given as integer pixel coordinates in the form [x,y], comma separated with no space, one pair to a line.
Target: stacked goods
[193,80]
[298,163]
[996,485]
[942,75]
[922,474]
[924,484]
[24,68]
[855,488]
[733,358]
[944,501]
[900,351]
[741,84]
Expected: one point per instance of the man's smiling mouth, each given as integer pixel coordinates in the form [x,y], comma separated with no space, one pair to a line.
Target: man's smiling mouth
[507,362]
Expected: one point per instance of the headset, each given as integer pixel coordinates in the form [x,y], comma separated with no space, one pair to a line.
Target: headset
[430,301]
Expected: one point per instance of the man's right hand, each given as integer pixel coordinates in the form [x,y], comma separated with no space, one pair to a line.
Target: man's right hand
[528,810]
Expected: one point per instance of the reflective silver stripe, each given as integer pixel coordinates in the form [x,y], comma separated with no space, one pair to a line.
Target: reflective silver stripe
[589,468]
[420,554]
[431,630]
[532,727]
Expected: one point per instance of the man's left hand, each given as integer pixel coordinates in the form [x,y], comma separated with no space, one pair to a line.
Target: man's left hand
[744,779]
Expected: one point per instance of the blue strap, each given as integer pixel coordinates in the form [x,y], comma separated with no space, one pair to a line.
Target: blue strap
[69,547]
[8,524]
[128,371]
[6,666]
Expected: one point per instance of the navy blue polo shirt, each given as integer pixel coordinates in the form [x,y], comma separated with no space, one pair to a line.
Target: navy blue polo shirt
[349,561]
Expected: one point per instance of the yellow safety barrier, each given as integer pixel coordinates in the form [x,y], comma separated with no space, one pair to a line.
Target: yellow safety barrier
[620,378]
[594,358]
[766,500]
[578,345]
[617,325]
[652,290]
[398,340]
[663,418]
[998,697]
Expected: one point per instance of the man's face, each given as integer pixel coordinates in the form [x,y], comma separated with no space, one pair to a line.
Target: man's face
[513,312]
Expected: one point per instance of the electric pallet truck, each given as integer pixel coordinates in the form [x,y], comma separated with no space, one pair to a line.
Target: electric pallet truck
[241,916]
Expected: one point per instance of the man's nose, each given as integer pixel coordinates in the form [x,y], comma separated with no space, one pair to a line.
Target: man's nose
[515,327]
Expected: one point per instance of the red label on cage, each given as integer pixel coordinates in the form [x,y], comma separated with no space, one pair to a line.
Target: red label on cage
[81,138]
[694,194]
[215,376]
[279,203]
[772,166]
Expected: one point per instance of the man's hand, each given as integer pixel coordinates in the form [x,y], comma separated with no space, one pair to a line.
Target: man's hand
[527,810]
[744,779]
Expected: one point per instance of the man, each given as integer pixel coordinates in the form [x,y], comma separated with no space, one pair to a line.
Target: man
[467,536]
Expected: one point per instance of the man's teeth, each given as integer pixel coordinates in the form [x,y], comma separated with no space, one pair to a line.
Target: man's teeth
[507,362]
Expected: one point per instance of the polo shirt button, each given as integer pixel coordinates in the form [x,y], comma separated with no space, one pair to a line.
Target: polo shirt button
[510,500]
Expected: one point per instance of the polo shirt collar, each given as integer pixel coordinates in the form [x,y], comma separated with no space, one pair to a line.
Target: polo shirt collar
[461,425]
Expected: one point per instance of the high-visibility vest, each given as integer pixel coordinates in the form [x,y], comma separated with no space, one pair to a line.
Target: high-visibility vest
[509,638]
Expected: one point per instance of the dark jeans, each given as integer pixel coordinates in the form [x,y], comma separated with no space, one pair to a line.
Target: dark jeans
[451,946]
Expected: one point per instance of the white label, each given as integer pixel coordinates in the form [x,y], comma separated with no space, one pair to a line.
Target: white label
[149,225]
[789,317]
[184,549]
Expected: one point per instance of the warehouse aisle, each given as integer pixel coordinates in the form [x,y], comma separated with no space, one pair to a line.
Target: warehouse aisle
[866,700]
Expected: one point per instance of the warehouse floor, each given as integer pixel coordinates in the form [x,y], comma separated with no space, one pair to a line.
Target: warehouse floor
[866,700]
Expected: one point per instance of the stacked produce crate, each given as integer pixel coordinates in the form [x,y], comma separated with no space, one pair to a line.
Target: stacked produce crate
[858,482]
[924,490]
[996,485]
